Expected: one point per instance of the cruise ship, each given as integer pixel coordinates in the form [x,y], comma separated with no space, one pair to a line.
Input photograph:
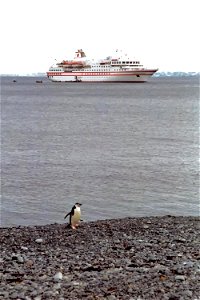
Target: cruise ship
[117,68]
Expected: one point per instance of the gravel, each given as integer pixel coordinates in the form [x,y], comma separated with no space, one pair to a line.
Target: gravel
[131,258]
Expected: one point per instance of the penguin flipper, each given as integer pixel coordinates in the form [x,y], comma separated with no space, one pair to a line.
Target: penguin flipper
[67,215]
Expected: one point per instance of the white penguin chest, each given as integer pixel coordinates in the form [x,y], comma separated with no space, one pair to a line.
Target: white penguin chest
[77,215]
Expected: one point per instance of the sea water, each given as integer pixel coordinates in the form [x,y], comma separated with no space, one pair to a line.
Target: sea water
[122,150]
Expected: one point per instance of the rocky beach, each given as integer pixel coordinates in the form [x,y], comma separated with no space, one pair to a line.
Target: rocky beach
[131,258]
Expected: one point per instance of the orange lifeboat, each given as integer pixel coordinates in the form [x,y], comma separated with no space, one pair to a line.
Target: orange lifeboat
[72,62]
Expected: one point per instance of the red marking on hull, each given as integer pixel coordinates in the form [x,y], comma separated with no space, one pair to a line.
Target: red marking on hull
[132,81]
[100,75]
[90,81]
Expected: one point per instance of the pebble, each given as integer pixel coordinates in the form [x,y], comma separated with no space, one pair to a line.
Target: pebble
[39,241]
[188,293]
[5,294]
[14,295]
[24,248]
[58,276]
[20,259]
[43,277]
[111,297]
[180,277]
[149,222]
[38,298]
[76,283]
[67,277]
[57,286]
[29,263]
[34,293]
[145,226]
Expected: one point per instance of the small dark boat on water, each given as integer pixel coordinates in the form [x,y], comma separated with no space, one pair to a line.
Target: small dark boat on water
[39,81]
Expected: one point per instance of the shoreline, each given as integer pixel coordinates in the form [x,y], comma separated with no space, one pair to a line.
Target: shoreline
[130,258]
[109,220]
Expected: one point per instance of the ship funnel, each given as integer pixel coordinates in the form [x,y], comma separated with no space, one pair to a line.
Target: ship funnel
[80,53]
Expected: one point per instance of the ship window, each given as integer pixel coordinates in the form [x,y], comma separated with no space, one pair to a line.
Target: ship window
[123,62]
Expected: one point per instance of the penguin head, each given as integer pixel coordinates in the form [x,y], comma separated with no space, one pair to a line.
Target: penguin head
[78,204]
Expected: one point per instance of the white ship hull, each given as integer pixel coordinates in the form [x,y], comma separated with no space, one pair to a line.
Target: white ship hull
[112,77]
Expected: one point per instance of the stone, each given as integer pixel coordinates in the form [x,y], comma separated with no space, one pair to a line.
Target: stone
[14,295]
[39,241]
[24,248]
[57,286]
[58,276]
[39,297]
[20,259]
[187,293]
[34,293]
[180,277]
[29,263]
[111,297]
[145,226]
[76,283]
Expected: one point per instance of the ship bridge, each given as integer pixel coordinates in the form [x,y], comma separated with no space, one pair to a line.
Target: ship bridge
[116,62]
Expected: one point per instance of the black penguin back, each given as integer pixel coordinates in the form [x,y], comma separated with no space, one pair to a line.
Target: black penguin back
[71,214]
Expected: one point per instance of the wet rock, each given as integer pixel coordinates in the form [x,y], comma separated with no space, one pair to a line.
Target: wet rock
[38,297]
[57,286]
[13,295]
[20,259]
[4,294]
[58,276]
[180,277]
[146,226]
[29,263]
[39,241]
[24,248]
[187,293]
[111,297]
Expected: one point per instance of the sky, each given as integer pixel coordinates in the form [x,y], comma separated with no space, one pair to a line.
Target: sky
[160,33]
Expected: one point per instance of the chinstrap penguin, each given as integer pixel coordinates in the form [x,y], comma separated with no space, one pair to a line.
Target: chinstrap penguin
[74,216]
